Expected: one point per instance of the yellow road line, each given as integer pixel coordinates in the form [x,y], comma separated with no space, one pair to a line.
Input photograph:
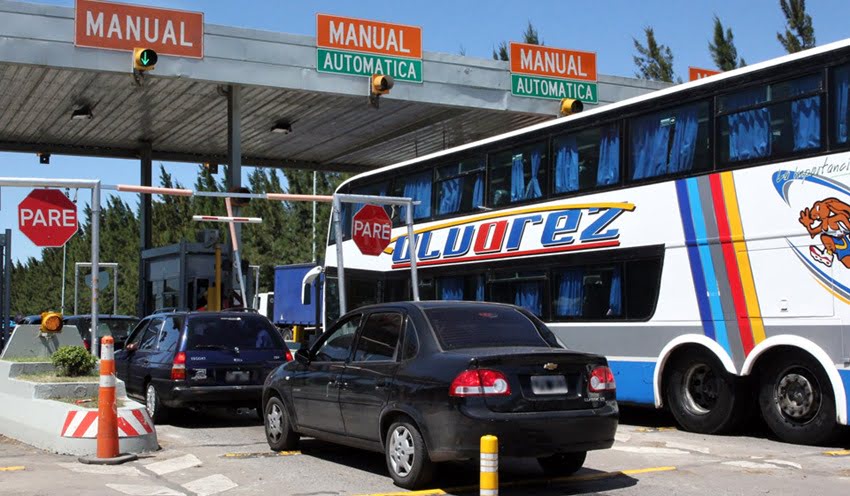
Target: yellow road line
[12,469]
[837,453]
[532,482]
[265,454]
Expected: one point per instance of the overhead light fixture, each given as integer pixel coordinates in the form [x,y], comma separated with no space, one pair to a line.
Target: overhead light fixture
[43,158]
[282,127]
[81,113]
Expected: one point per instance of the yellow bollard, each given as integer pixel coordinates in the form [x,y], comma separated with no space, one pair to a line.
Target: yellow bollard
[297,333]
[489,466]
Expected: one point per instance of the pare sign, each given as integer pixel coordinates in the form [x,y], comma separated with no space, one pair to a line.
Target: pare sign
[47,217]
[371,230]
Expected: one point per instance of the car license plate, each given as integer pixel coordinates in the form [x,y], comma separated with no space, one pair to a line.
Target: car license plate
[548,384]
[237,376]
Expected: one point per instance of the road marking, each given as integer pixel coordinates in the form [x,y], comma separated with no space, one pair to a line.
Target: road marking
[533,482]
[622,438]
[648,450]
[213,484]
[134,490]
[689,447]
[655,429]
[174,464]
[14,468]
[264,454]
[753,465]
[837,453]
[123,471]
[788,464]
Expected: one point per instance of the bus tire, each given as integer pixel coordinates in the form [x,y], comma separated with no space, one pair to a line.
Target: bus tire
[702,396]
[796,399]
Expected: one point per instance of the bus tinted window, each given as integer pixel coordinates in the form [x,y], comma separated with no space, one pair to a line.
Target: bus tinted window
[586,159]
[641,293]
[518,174]
[454,288]
[460,186]
[588,293]
[840,102]
[489,327]
[418,187]
[771,120]
[673,141]
[523,289]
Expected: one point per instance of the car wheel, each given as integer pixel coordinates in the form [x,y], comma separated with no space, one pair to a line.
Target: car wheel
[156,410]
[562,464]
[407,457]
[279,432]
[701,395]
[796,399]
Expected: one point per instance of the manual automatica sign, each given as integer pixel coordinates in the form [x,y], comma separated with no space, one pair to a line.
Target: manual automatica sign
[547,72]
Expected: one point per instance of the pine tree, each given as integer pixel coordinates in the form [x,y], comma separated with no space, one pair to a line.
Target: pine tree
[654,61]
[723,49]
[799,32]
[530,36]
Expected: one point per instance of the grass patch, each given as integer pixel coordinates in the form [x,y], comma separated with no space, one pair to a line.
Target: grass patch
[28,359]
[86,402]
[52,377]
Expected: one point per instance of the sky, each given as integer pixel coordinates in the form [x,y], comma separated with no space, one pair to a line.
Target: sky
[474,27]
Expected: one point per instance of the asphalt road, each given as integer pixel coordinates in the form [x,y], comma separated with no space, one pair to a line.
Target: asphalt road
[221,453]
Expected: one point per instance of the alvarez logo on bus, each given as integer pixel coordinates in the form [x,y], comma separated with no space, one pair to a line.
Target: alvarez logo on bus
[531,231]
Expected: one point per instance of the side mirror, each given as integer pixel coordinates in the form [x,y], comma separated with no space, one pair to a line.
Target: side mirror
[131,347]
[306,294]
[302,356]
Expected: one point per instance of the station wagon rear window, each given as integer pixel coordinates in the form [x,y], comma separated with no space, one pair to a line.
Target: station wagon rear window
[246,332]
[485,327]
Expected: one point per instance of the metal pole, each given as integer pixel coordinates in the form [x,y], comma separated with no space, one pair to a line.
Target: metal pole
[115,290]
[64,264]
[411,242]
[340,268]
[314,218]
[76,287]
[95,264]
[237,261]
[145,222]
[7,281]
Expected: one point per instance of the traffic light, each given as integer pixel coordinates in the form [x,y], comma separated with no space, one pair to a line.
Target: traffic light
[51,322]
[570,106]
[379,84]
[144,59]
[211,167]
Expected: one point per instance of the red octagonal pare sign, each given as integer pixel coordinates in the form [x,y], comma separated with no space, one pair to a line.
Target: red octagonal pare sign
[47,218]
[371,229]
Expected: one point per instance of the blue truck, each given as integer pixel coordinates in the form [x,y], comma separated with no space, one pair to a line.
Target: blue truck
[289,309]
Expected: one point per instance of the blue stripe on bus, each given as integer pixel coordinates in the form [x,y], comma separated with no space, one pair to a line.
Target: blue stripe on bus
[707,265]
[845,378]
[634,381]
[693,257]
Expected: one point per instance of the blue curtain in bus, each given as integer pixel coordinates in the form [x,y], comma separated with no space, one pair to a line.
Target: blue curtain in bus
[479,288]
[450,191]
[608,171]
[841,97]
[418,187]
[528,297]
[805,118]
[570,294]
[478,191]
[533,188]
[749,131]
[517,179]
[684,140]
[566,166]
[615,301]
[650,140]
[451,288]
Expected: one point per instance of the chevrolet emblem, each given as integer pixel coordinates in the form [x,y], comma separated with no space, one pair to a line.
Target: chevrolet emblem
[550,366]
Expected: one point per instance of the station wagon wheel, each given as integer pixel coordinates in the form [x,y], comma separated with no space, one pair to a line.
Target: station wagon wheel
[279,432]
[156,410]
[406,454]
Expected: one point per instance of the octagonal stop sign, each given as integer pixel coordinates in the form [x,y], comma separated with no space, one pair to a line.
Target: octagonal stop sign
[47,217]
[371,229]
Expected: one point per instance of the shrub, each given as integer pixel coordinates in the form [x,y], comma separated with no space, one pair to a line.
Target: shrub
[73,361]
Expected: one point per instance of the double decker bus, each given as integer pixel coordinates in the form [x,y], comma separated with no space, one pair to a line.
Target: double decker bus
[697,236]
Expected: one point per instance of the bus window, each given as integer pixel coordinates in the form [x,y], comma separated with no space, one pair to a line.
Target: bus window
[418,187]
[523,289]
[586,159]
[460,186]
[518,174]
[753,126]
[672,141]
[588,293]
[469,287]
[362,292]
[840,96]
[642,280]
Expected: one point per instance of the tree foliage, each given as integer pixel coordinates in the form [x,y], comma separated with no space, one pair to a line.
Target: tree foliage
[799,33]
[654,60]
[530,36]
[723,49]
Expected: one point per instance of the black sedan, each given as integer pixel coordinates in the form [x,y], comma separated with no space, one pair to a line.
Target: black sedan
[422,382]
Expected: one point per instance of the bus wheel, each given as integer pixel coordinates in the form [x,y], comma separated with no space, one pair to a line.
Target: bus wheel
[701,395]
[796,399]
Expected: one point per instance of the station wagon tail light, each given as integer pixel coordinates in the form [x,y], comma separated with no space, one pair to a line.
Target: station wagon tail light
[482,382]
[178,369]
[601,379]
[288,355]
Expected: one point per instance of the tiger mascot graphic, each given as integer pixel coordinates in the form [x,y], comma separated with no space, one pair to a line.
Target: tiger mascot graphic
[831,219]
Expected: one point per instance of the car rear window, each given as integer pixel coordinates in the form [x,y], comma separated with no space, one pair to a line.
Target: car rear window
[246,332]
[493,327]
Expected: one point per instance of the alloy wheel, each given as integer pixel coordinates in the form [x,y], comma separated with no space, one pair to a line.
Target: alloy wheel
[402,451]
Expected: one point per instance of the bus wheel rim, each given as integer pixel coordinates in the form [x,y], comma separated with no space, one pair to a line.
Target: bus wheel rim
[700,389]
[798,395]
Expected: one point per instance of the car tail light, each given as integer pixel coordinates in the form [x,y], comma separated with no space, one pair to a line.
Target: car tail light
[87,344]
[601,379]
[178,369]
[482,382]
[288,355]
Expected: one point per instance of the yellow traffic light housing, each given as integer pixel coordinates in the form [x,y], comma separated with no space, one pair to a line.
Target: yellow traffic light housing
[51,322]
[570,106]
[379,84]
[144,59]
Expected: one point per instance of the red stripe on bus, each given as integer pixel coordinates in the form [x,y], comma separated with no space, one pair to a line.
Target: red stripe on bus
[88,420]
[731,260]
[493,256]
